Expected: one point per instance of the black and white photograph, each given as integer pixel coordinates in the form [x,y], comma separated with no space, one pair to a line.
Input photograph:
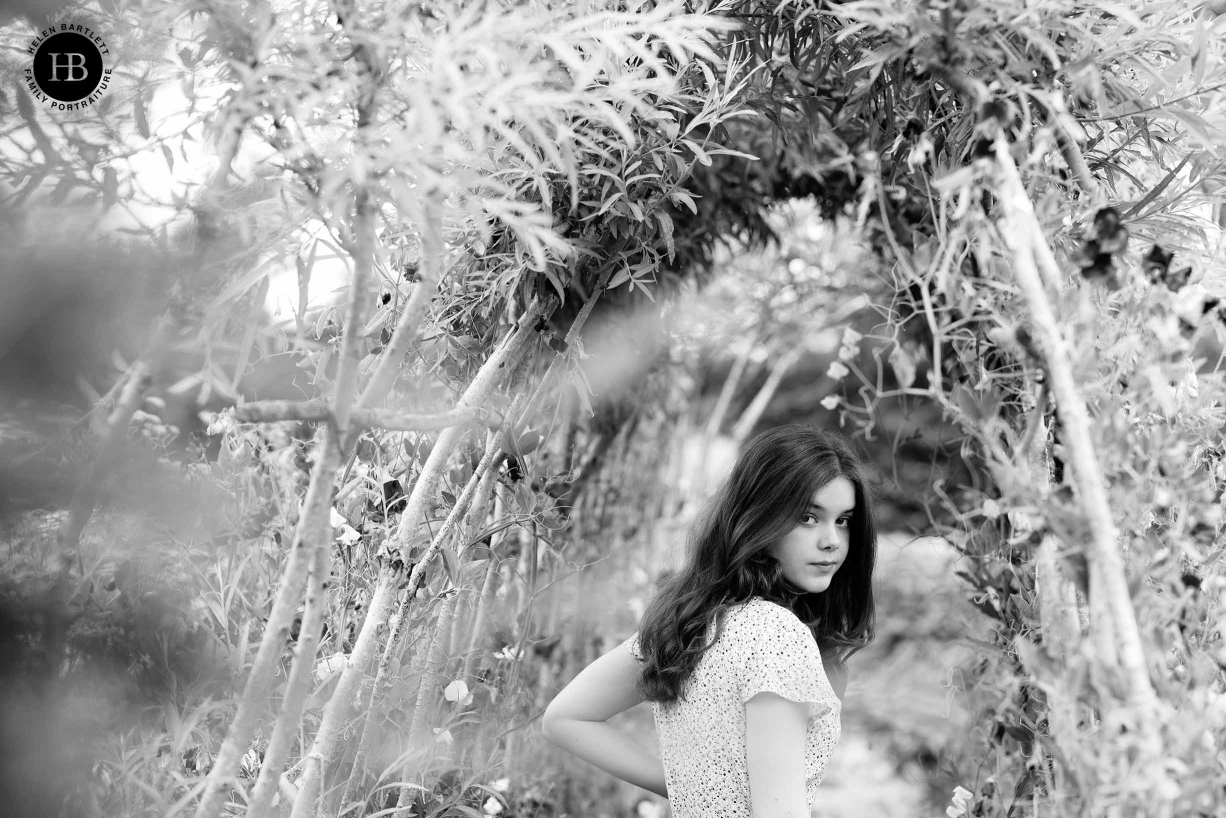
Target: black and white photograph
[612,409]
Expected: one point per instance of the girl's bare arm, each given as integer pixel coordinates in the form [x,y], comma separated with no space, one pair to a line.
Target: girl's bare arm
[577,721]
[775,753]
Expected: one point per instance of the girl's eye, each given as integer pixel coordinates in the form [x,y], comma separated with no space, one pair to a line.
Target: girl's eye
[843,521]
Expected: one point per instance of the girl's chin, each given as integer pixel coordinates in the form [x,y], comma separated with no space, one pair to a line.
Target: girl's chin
[814,584]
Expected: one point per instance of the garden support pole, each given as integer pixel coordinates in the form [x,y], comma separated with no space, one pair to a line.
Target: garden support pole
[1021,216]
[273,411]
[501,506]
[749,418]
[425,698]
[479,392]
[1110,599]
[296,690]
[489,463]
[399,618]
[729,388]
[314,533]
[429,273]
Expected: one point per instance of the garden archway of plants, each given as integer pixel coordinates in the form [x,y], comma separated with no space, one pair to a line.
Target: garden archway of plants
[343,555]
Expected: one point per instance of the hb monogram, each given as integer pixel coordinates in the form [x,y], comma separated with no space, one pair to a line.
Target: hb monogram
[72,66]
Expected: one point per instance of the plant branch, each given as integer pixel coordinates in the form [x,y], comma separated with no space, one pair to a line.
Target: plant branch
[1020,215]
[312,539]
[429,273]
[273,411]
[515,345]
[1159,107]
[1111,600]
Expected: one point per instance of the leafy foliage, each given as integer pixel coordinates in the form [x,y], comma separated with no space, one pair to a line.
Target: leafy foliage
[554,143]
[887,110]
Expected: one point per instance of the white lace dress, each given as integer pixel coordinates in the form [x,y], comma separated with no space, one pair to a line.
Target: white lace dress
[764,646]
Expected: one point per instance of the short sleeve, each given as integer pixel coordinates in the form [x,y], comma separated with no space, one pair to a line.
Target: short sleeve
[782,657]
[632,644]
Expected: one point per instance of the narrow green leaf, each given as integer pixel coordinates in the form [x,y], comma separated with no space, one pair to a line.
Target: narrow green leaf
[1157,191]
[583,389]
[699,153]
[244,349]
[666,230]
[609,203]
[450,565]
[556,282]
[684,198]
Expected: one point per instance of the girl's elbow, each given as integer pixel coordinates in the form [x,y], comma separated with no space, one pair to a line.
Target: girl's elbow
[549,723]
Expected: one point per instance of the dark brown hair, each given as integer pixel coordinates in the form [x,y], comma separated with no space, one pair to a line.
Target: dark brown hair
[765,496]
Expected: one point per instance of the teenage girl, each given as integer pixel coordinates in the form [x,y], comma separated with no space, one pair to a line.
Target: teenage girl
[780,561]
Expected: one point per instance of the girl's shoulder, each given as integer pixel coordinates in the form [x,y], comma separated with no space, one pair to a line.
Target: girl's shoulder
[759,606]
[762,627]
[758,613]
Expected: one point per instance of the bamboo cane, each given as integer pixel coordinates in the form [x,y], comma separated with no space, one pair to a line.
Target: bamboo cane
[515,345]
[478,627]
[1057,605]
[749,418]
[425,695]
[716,420]
[407,330]
[273,411]
[509,355]
[371,717]
[1109,596]
[314,527]
[473,521]
[259,680]
[473,651]
[524,602]
[1017,202]
[400,617]
[347,379]
[312,533]
[297,688]
[429,273]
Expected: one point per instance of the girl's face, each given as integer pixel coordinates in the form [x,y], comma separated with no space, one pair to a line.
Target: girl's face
[823,536]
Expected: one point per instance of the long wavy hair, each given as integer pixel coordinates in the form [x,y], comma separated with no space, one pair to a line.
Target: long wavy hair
[764,497]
